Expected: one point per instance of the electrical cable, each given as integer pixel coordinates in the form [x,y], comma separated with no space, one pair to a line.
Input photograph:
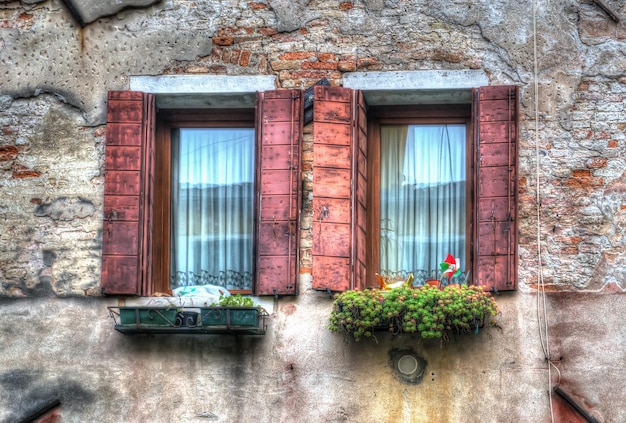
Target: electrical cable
[541,294]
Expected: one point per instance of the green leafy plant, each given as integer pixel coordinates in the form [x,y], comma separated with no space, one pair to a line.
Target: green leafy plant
[428,311]
[235,301]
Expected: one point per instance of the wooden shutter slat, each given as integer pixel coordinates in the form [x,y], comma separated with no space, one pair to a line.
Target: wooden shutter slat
[126,190]
[278,126]
[339,189]
[360,206]
[496,111]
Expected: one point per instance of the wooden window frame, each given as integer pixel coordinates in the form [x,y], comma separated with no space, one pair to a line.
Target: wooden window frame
[166,121]
[342,259]
[407,115]
[130,174]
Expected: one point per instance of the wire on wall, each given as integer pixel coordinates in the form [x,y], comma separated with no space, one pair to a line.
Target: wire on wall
[542,312]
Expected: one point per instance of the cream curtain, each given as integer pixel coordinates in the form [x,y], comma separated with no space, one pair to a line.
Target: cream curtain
[212,207]
[423,204]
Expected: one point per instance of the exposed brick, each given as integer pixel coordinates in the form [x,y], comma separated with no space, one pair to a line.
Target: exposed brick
[223,41]
[216,53]
[326,57]
[284,65]
[596,28]
[612,144]
[366,61]
[257,6]
[226,55]
[335,75]
[8,153]
[244,60]
[569,240]
[570,250]
[453,58]
[581,173]
[284,75]
[234,56]
[266,31]
[346,65]
[584,182]
[296,55]
[286,37]
[319,65]
[262,66]
[308,74]
[345,5]
[23,173]
[582,134]
[597,162]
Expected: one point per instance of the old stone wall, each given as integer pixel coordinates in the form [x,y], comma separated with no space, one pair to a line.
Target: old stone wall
[57,339]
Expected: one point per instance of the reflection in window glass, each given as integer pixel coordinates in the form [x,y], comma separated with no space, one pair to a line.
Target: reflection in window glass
[422,199]
[212,200]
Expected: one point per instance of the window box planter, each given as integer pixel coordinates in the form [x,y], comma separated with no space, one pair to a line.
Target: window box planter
[189,320]
[430,312]
[148,316]
[230,316]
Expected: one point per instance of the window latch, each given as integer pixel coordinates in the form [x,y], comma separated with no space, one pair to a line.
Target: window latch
[112,217]
[323,213]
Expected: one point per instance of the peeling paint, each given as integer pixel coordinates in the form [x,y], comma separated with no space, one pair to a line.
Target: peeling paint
[66,209]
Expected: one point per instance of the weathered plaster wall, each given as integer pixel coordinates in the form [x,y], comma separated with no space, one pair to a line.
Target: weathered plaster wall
[59,341]
[300,372]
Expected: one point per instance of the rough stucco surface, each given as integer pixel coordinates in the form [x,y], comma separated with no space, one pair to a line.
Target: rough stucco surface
[58,342]
[87,11]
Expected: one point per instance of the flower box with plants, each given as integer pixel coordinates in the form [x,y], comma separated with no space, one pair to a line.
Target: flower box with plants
[233,310]
[428,311]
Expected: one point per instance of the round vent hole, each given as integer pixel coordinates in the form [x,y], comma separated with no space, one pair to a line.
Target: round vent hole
[407,364]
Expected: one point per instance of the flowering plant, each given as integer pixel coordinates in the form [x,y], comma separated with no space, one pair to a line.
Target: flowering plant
[427,311]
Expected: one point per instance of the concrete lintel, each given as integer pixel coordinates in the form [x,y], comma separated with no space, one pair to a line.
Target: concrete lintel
[416,80]
[202,84]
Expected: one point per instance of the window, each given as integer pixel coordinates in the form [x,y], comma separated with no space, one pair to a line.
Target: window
[204,199]
[422,203]
[198,197]
[411,184]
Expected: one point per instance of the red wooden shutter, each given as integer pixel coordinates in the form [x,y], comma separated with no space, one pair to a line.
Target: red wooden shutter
[339,189]
[129,135]
[495,259]
[279,183]
[360,197]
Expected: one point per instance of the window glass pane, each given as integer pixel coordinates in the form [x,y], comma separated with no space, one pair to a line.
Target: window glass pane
[212,207]
[422,199]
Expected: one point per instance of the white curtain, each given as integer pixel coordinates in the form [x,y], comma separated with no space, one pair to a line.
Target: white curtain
[212,207]
[422,200]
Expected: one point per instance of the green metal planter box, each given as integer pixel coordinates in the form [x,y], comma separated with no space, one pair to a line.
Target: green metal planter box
[230,316]
[189,320]
[148,316]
